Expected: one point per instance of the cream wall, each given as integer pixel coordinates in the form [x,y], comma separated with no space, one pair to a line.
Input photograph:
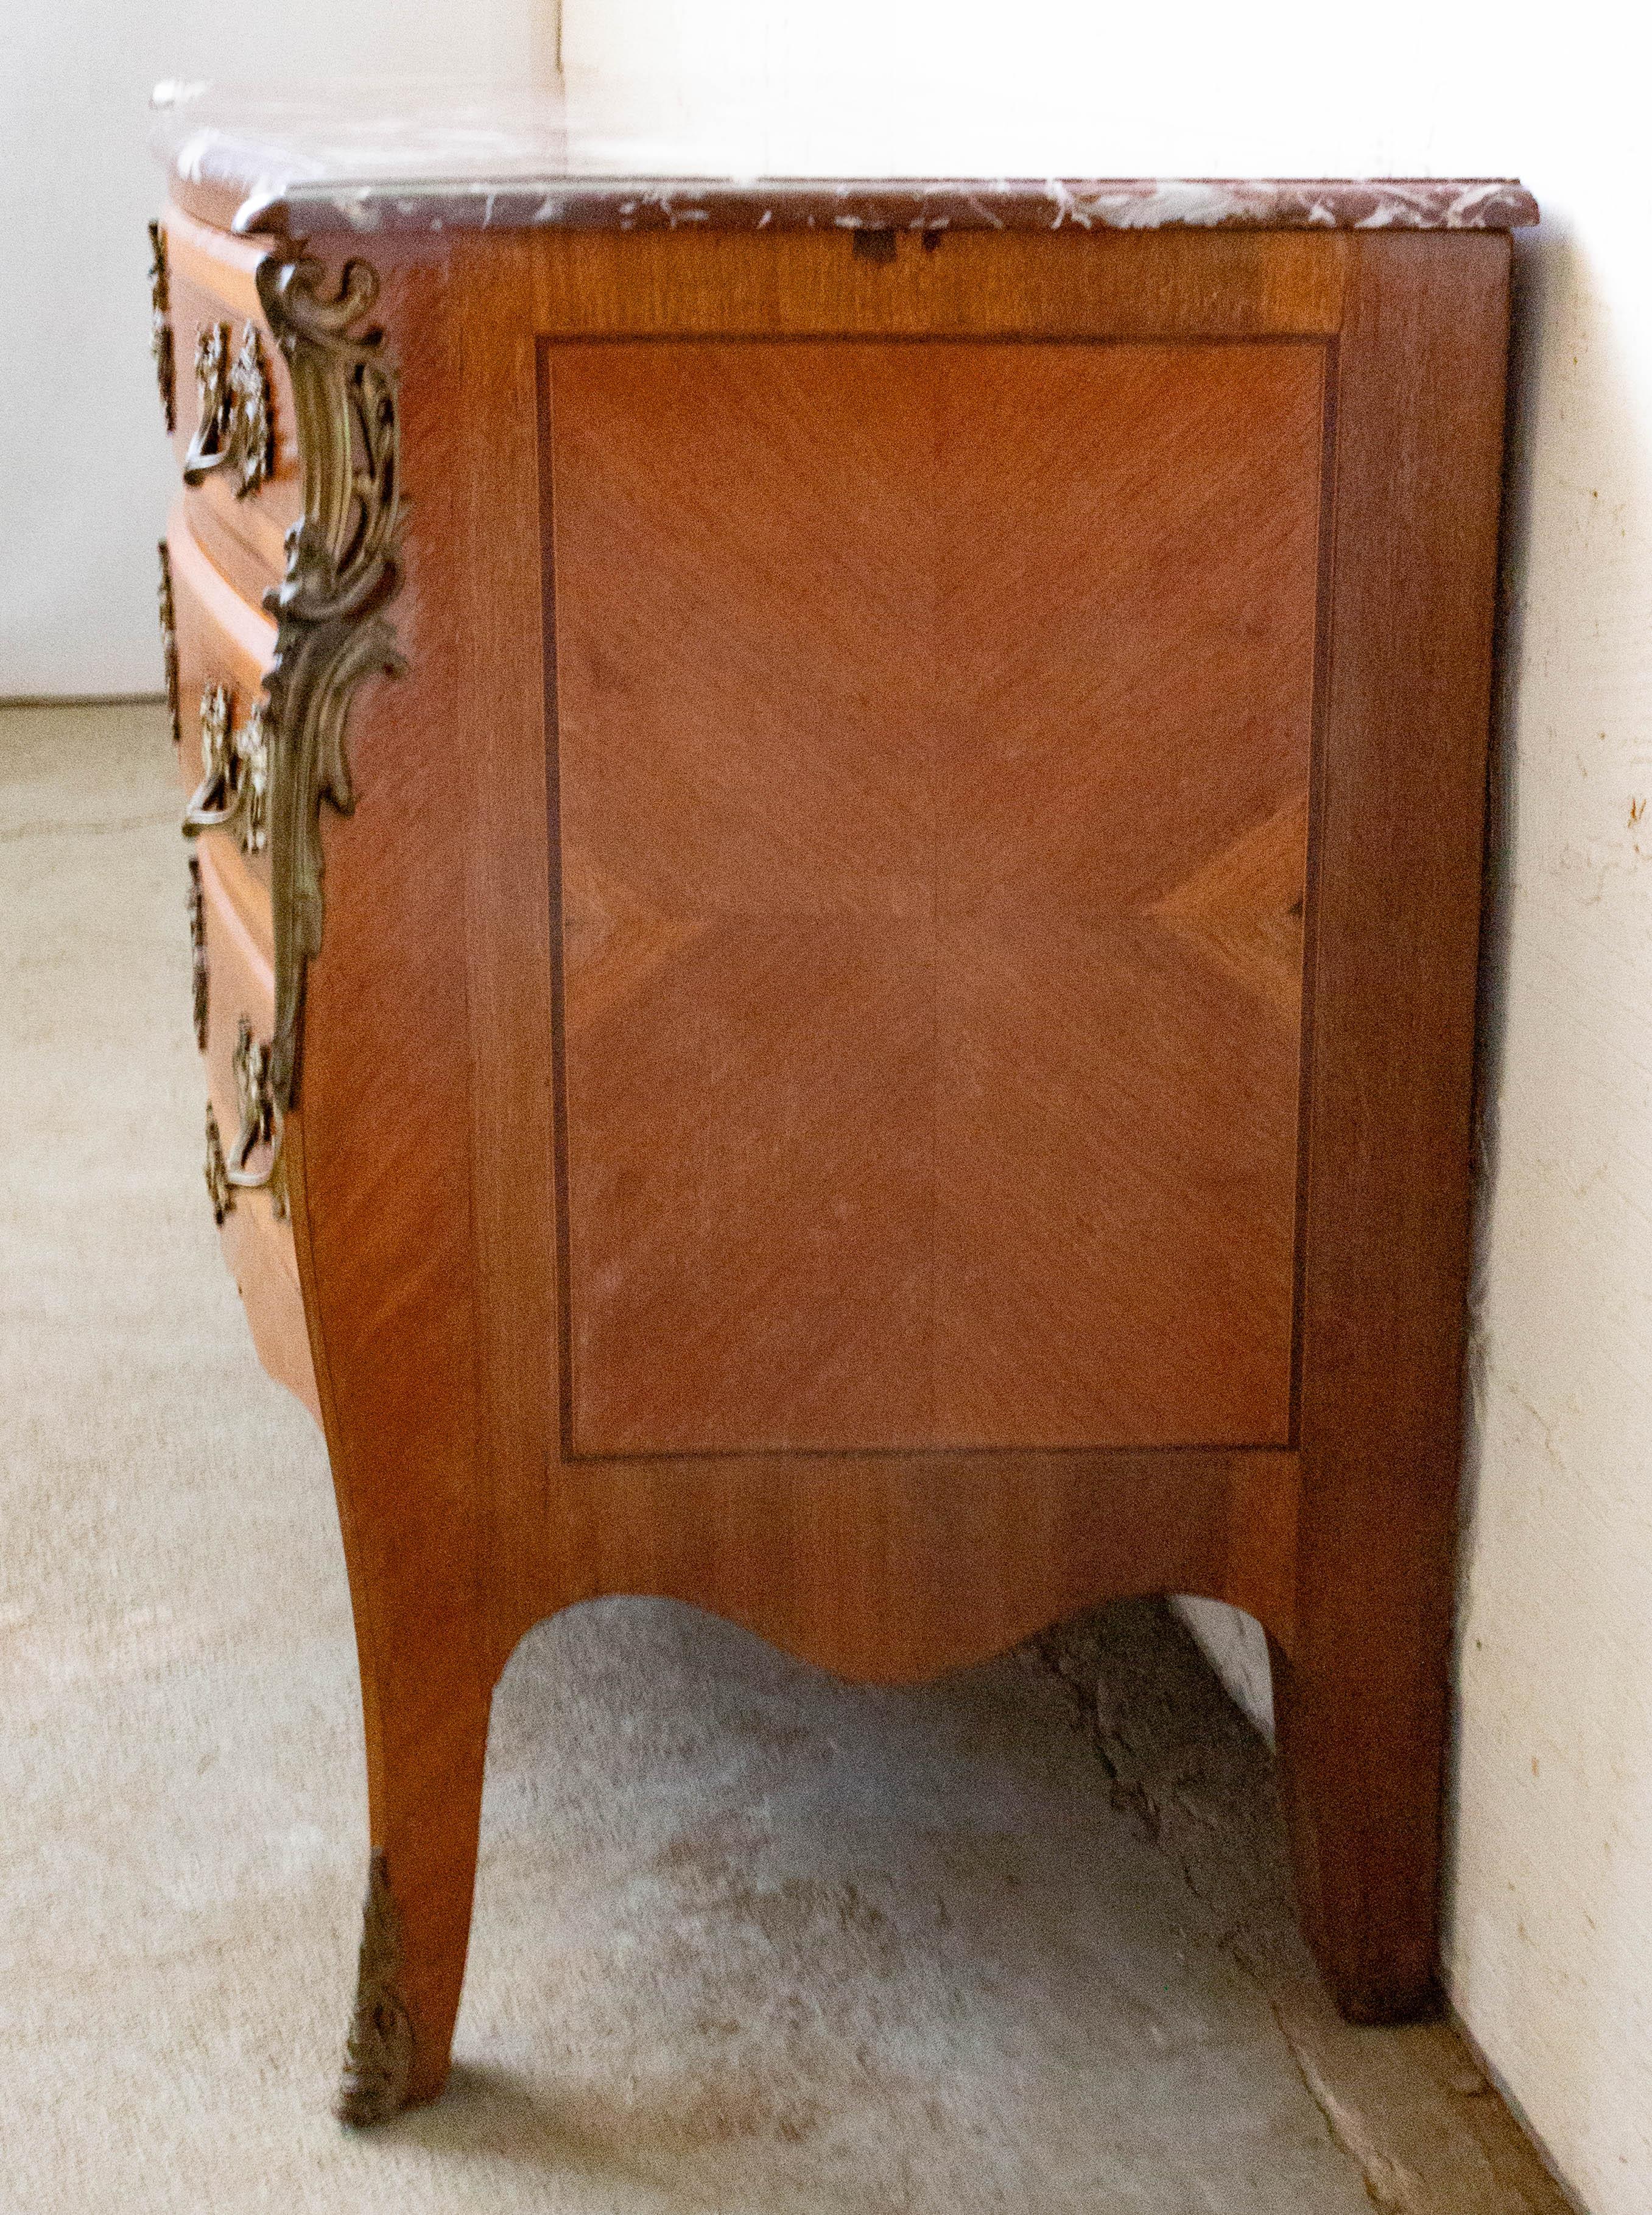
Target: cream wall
[84,476]
[1550,1941]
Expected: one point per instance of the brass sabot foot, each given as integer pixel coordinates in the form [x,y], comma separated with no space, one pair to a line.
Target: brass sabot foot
[378,2057]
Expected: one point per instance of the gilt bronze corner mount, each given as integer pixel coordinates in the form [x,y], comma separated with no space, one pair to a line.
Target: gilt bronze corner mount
[342,569]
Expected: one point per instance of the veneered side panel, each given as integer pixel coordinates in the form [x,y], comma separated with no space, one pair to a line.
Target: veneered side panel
[932,755]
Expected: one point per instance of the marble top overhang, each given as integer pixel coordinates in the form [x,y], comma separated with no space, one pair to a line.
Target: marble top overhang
[402,159]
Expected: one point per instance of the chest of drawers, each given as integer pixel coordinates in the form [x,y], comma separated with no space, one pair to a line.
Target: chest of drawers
[835,856]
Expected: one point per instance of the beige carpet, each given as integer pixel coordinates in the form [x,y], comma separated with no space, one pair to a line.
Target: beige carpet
[746,1939]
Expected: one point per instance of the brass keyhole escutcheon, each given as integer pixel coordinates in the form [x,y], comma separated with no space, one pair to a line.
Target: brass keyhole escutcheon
[197,909]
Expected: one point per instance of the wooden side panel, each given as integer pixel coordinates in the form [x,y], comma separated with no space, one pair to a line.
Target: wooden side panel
[933,735]
[1363,1707]
[701,1530]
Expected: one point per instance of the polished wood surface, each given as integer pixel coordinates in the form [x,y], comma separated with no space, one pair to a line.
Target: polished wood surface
[889,1573]
[1408,608]
[931,873]
[1161,284]
[1066,857]
[379,1151]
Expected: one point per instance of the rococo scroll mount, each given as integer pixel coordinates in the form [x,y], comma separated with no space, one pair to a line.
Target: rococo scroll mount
[331,631]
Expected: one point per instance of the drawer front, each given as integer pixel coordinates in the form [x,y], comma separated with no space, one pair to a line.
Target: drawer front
[234,1013]
[224,650]
[230,407]
[234,427]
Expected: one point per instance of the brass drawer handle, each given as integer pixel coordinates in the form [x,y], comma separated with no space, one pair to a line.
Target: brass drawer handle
[235,763]
[261,1122]
[197,907]
[234,431]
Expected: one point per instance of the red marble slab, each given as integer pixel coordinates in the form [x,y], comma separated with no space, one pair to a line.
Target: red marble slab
[300,166]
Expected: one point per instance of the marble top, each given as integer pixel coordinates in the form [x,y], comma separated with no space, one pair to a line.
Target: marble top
[409,159]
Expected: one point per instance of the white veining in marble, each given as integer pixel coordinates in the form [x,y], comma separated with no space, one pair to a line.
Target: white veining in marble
[407,158]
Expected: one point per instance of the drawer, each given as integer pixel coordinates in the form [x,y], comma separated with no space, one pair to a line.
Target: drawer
[234,1011]
[224,649]
[234,426]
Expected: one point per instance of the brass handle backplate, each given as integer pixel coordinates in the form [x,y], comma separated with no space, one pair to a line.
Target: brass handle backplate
[160,325]
[254,1163]
[217,1170]
[234,430]
[197,907]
